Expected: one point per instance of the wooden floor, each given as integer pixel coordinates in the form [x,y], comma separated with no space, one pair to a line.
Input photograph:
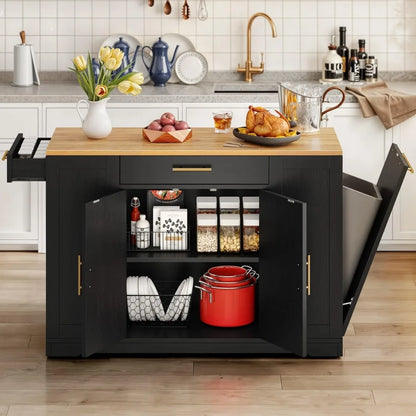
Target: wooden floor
[376,375]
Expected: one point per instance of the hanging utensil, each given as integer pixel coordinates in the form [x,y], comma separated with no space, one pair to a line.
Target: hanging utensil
[151,2]
[202,10]
[185,10]
[167,8]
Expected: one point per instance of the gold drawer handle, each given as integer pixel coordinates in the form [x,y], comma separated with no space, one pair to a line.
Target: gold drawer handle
[192,169]
[5,155]
[408,164]
[308,287]
[79,275]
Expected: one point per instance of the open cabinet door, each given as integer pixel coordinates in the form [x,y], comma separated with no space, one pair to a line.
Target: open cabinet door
[282,285]
[104,273]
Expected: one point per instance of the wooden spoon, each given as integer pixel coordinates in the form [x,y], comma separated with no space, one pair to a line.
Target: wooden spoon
[167,8]
[151,2]
[185,10]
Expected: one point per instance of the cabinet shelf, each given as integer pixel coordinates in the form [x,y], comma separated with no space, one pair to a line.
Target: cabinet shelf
[189,257]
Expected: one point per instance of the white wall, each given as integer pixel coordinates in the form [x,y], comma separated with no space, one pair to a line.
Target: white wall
[60,29]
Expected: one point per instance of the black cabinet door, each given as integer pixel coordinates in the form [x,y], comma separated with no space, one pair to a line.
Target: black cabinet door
[104,273]
[282,285]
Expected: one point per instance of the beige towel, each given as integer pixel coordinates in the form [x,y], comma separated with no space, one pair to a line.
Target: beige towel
[392,107]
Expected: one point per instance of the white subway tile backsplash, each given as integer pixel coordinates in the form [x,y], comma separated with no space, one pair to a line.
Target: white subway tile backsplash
[64,28]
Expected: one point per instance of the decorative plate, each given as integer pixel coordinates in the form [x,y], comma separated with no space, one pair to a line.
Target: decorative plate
[191,67]
[266,141]
[185,45]
[133,43]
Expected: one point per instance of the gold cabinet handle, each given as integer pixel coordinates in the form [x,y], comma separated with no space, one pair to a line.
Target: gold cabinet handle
[308,287]
[411,170]
[5,155]
[79,275]
[192,169]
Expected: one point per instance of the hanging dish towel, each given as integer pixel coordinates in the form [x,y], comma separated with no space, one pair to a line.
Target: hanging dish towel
[392,107]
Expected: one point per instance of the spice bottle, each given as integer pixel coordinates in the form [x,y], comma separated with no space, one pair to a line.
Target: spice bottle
[207,233]
[362,57]
[371,69]
[142,232]
[134,217]
[332,64]
[206,205]
[251,237]
[354,67]
[230,233]
[229,205]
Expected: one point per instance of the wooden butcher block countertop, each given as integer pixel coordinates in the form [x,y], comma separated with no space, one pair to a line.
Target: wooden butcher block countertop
[204,142]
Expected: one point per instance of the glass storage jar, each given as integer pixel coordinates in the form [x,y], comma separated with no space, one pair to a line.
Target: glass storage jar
[229,204]
[230,233]
[251,235]
[207,233]
[251,205]
[206,205]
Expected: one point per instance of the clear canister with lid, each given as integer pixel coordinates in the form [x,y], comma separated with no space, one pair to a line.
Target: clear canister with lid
[230,233]
[207,233]
[251,205]
[206,205]
[229,204]
[251,235]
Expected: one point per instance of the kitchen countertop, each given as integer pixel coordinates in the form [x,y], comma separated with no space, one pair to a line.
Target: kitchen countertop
[130,142]
[204,92]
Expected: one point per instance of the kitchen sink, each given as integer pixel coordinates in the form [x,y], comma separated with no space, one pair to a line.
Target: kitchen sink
[241,87]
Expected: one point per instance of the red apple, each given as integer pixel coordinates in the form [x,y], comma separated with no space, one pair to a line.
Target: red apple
[168,127]
[154,125]
[167,119]
[181,125]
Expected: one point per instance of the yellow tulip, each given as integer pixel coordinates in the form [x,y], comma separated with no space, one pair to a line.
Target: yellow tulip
[130,88]
[80,63]
[105,53]
[101,91]
[137,78]
[111,64]
[118,55]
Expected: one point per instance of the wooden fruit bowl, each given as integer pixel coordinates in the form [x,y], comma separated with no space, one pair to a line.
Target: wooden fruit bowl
[178,136]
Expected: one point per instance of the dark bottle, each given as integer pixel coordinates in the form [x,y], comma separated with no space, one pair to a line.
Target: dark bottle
[343,51]
[354,67]
[362,57]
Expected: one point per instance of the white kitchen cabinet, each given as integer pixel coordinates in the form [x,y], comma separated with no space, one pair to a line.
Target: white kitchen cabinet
[404,214]
[20,216]
[200,114]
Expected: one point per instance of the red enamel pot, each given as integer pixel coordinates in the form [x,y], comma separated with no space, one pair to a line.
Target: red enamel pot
[235,283]
[229,273]
[227,306]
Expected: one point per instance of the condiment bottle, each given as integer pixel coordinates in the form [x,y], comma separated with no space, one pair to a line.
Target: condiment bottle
[135,216]
[362,57]
[354,67]
[371,69]
[343,51]
[332,64]
[142,232]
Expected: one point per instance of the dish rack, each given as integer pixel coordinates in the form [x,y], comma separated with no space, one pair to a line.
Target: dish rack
[168,306]
[167,241]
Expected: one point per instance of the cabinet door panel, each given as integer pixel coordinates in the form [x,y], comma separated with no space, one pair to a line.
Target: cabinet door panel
[104,272]
[282,287]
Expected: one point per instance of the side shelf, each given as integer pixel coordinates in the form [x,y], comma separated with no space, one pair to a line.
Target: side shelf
[28,167]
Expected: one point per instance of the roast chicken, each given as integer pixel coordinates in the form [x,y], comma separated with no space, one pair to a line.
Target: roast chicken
[262,123]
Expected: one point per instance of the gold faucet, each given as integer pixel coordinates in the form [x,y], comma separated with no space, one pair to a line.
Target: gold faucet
[248,69]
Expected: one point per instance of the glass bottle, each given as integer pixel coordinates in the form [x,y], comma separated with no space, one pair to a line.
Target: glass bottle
[354,67]
[343,50]
[362,57]
[332,64]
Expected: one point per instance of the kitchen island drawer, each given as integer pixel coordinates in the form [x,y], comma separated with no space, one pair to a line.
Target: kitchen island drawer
[192,170]
[26,159]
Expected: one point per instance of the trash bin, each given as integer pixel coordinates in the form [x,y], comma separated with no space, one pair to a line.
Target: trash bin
[361,200]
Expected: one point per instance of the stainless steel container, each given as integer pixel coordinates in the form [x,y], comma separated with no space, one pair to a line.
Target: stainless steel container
[301,104]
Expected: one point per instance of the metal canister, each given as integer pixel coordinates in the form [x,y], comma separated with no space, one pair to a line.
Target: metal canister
[371,69]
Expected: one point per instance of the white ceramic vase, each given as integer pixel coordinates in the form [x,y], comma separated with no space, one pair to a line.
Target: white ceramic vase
[97,123]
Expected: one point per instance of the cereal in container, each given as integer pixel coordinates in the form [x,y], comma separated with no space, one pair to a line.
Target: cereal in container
[207,233]
[251,236]
[230,233]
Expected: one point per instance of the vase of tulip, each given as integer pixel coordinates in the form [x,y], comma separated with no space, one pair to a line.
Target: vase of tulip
[96,123]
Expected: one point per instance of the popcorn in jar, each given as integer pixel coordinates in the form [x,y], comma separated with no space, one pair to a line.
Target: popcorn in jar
[207,233]
[230,233]
[251,235]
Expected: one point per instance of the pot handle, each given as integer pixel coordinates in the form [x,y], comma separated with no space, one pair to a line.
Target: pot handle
[248,269]
[338,105]
[78,109]
[205,290]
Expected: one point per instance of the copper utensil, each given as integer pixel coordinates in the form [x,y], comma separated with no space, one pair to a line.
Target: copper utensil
[185,10]
[167,8]
[151,2]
